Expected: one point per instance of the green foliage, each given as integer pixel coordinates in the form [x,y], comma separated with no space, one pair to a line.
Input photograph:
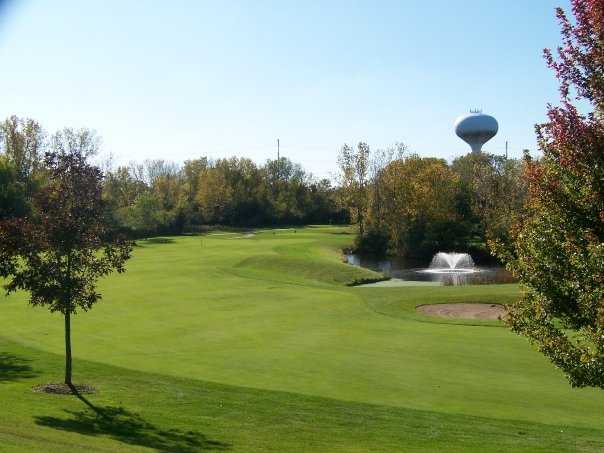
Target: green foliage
[492,193]
[415,206]
[375,241]
[354,181]
[146,215]
[13,202]
[23,143]
[415,209]
[155,197]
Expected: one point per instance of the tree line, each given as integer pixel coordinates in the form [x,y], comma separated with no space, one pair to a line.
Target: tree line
[159,197]
[403,204]
[414,206]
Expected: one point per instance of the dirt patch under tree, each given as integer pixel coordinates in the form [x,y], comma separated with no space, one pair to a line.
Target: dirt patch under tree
[63,389]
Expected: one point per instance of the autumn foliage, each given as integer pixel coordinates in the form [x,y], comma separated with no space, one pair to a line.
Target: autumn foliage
[558,249]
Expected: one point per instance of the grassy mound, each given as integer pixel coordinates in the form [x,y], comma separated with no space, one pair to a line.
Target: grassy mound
[303,271]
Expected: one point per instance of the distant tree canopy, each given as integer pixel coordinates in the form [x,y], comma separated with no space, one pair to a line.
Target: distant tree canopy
[414,206]
[418,204]
[158,198]
[22,143]
[558,245]
[492,193]
[161,197]
[21,151]
[402,203]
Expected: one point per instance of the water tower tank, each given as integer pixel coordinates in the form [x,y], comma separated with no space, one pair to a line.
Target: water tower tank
[476,129]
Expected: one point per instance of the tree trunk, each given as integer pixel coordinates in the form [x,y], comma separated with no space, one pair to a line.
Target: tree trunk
[361,220]
[68,349]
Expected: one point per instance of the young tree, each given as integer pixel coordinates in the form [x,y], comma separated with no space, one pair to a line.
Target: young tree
[379,161]
[58,253]
[23,141]
[558,252]
[354,175]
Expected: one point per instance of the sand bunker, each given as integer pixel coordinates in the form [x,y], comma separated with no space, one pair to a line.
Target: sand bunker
[463,311]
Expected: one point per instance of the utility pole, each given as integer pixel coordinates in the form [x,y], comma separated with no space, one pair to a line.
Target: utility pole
[278,160]
[506,150]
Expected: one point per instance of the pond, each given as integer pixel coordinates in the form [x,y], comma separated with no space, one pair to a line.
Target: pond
[417,271]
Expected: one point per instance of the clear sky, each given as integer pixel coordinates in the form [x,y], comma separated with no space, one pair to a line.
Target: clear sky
[182,79]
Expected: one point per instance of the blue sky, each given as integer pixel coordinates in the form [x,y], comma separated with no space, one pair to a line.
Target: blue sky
[182,79]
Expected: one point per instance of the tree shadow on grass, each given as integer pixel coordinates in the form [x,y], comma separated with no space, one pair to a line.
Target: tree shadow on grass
[128,427]
[15,368]
[142,243]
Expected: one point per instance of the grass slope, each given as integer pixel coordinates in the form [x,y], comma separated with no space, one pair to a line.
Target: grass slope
[255,343]
[140,410]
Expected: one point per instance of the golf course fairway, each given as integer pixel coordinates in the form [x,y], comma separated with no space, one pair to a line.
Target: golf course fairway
[240,342]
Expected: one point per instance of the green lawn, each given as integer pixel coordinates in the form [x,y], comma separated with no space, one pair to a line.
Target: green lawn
[256,343]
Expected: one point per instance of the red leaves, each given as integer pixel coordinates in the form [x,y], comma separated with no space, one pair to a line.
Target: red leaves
[581,57]
[58,254]
[558,252]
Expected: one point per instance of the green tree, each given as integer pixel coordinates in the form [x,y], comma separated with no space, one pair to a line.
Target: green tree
[214,195]
[558,248]
[288,186]
[418,205]
[378,162]
[354,181]
[145,216]
[23,142]
[190,175]
[120,189]
[13,202]
[492,193]
[59,252]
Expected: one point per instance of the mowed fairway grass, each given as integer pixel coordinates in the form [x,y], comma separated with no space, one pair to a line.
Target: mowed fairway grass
[255,343]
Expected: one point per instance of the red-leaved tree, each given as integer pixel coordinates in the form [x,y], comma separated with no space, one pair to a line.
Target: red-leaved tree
[59,252]
[558,249]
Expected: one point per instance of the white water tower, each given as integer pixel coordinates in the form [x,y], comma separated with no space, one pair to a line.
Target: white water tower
[476,129]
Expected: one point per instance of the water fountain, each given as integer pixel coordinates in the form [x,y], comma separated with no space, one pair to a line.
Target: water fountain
[444,269]
[451,263]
